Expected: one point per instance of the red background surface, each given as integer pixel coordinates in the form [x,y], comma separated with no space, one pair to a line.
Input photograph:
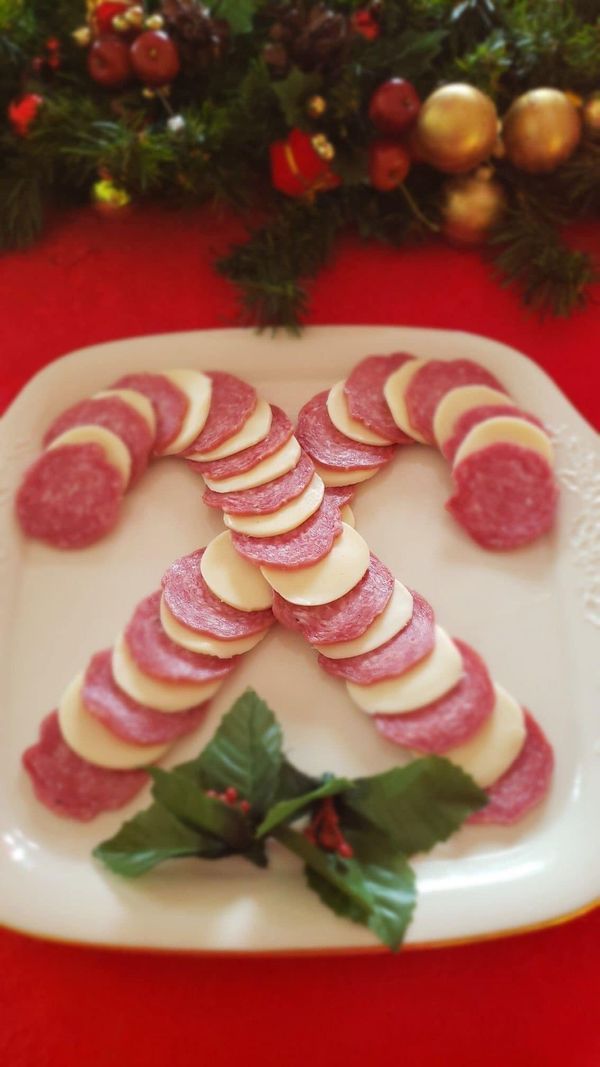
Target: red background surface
[530,1000]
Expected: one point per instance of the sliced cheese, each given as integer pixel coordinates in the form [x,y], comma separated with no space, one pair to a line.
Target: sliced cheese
[457,401]
[255,429]
[274,466]
[428,680]
[335,478]
[139,403]
[208,646]
[394,392]
[197,387]
[347,516]
[503,429]
[231,578]
[115,450]
[285,518]
[153,693]
[337,408]
[488,754]
[328,579]
[93,741]
[394,617]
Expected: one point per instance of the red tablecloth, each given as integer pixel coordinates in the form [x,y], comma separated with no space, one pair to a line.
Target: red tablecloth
[529,1001]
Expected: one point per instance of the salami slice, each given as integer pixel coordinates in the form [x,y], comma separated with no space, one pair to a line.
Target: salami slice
[342,494]
[431,383]
[343,619]
[524,784]
[189,599]
[69,785]
[307,544]
[280,432]
[158,656]
[364,395]
[505,496]
[473,417]
[452,719]
[70,497]
[264,498]
[170,404]
[332,449]
[405,650]
[232,402]
[114,414]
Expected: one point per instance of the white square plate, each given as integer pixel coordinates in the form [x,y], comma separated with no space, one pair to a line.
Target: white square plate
[533,614]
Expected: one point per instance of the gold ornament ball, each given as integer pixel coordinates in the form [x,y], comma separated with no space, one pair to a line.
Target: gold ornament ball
[135,16]
[323,147]
[316,106]
[82,36]
[110,200]
[541,130]
[591,116]
[120,24]
[457,128]
[471,206]
[154,22]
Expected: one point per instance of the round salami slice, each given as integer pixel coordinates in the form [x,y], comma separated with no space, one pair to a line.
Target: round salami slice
[524,784]
[230,466]
[69,785]
[364,395]
[266,498]
[114,414]
[127,718]
[343,619]
[452,719]
[473,417]
[307,544]
[189,599]
[170,404]
[431,383]
[405,650]
[342,494]
[232,402]
[505,496]
[70,497]
[158,656]
[332,449]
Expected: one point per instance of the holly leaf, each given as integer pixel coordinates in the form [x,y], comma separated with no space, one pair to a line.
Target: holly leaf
[239,14]
[293,92]
[193,808]
[293,782]
[286,810]
[152,836]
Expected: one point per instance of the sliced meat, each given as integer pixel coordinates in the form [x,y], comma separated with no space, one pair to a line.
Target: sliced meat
[232,402]
[170,404]
[332,449]
[474,416]
[431,383]
[307,544]
[364,395]
[189,599]
[263,499]
[114,414]
[280,432]
[524,784]
[158,656]
[342,494]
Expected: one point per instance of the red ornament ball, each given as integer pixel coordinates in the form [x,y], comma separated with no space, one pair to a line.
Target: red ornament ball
[21,113]
[365,23]
[394,106]
[298,169]
[389,163]
[108,61]
[155,58]
[105,13]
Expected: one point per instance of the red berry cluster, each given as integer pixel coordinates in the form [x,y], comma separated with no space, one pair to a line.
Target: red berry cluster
[324,830]
[124,47]
[230,796]
[393,109]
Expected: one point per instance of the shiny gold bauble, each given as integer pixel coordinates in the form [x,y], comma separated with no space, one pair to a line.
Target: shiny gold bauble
[323,147]
[457,128]
[316,106]
[154,22]
[471,206]
[120,24]
[541,130]
[109,200]
[82,36]
[590,112]
[135,16]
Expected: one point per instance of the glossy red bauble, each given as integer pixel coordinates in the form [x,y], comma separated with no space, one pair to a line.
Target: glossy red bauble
[389,163]
[155,58]
[394,106]
[108,61]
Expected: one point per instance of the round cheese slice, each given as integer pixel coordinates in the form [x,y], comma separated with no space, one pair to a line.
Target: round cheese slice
[435,675]
[335,478]
[115,450]
[285,518]
[198,390]
[328,579]
[394,617]
[139,403]
[93,741]
[274,466]
[153,693]
[488,754]
[231,578]
[394,392]
[457,401]
[255,429]
[505,429]
[208,646]
[347,516]
[337,408]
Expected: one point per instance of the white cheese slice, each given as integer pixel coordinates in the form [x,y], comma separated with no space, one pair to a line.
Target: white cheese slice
[153,693]
[198,390]
[328,579]
[505,429]
[208,646]
[274,466]
[93,741]
[428,680]
[488,754]
[457,401]
[283,520]
[255,429]
[347,516]
[335,478]
[394,617]
[231,578]
[139,403]
[115,450]
[337,408]
[394,392]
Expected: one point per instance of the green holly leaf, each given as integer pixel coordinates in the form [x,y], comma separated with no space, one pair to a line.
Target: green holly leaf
[286,810]
[293,782]
[206,815]
[151,837]
[293,93]
[239,14]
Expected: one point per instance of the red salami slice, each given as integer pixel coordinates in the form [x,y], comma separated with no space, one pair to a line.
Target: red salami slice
[264,498]
[125,717]
[69,785]
[191,602]
[505,496]
[452,719]
[280,432]
[70,497]
[231,403]
[332,449]
[473,417]
[405,650]
[160,657]
[343,619]
[302,547]
[114,414]
[431,383]
[524,784]
[364,395]
[342,494]
[170,404]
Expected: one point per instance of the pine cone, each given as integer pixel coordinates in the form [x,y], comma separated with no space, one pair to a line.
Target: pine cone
[200,38]
[312,36]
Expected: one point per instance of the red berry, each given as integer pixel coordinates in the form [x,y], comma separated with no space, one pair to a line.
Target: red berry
[212,793]
[21,113]
[394,106]
[108,61]
[230,795]
[155,58]
[389,163]
[345,850]
[244,806]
